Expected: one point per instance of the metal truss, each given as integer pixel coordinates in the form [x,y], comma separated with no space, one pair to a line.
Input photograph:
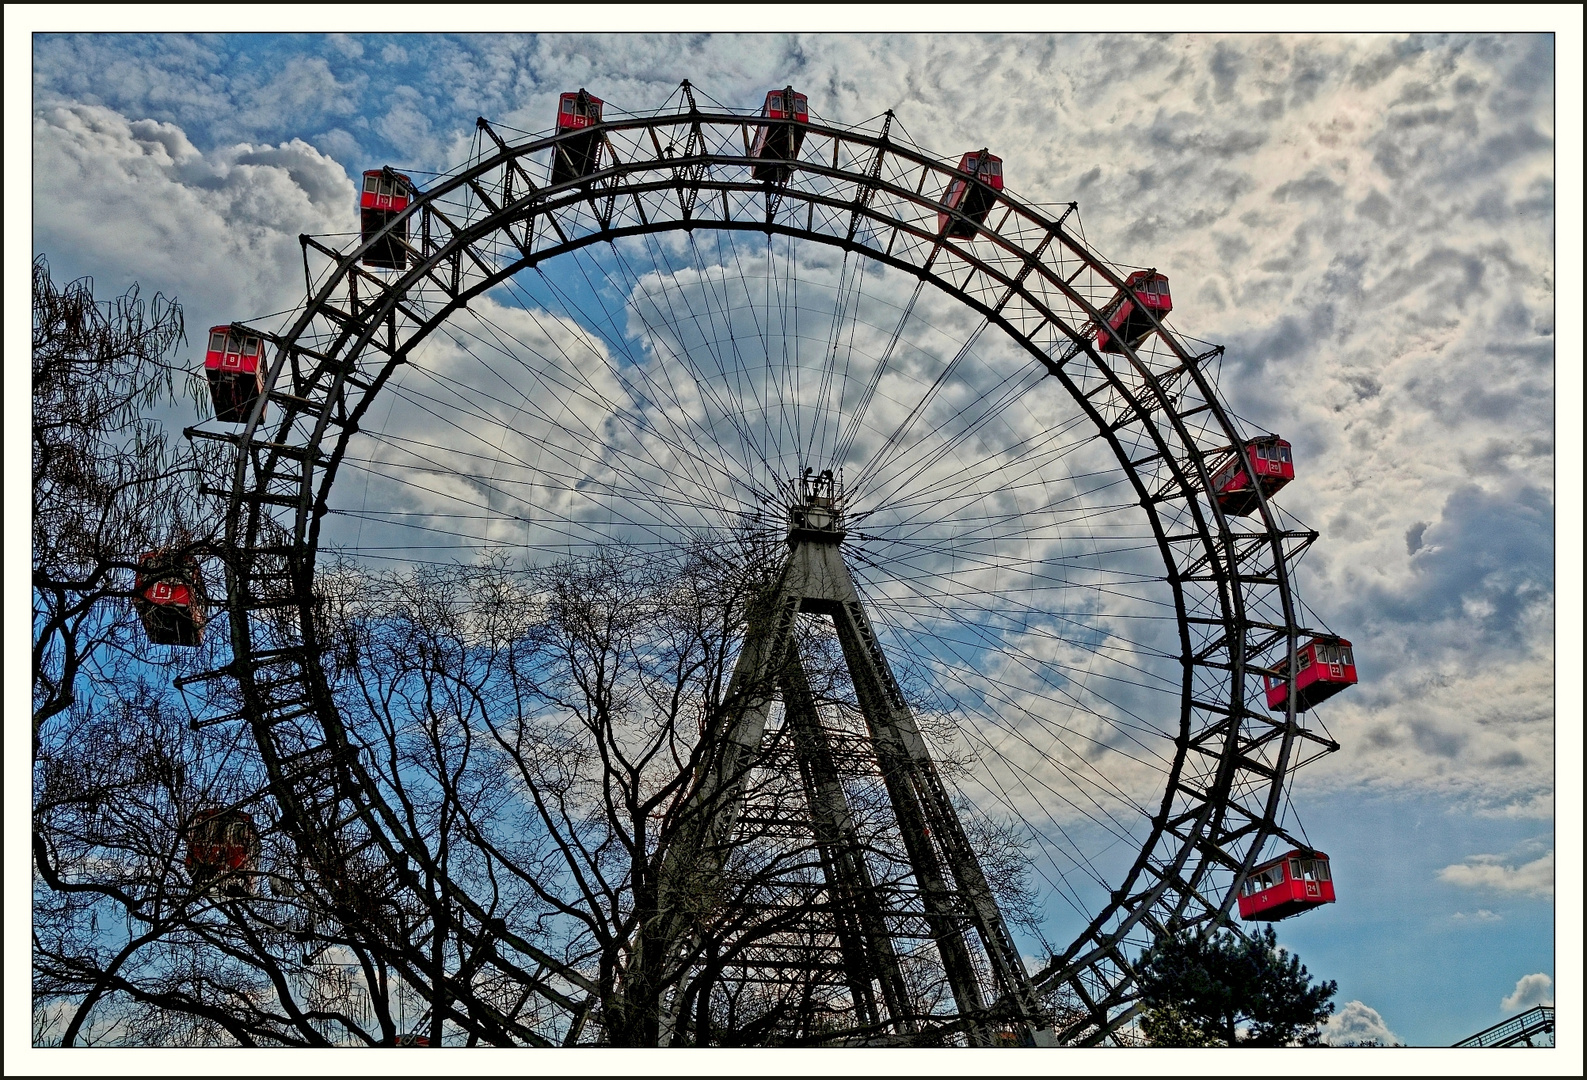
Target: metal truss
[864,191]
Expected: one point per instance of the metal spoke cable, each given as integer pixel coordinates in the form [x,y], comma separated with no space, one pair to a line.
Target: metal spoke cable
[862,407]
[1101,783]
[683,440]
[684,355]
[880,458]
[569,455]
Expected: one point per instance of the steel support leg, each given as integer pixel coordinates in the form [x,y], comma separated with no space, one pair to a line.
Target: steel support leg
[867,945]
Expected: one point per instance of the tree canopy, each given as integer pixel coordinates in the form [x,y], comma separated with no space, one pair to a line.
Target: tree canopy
[1225,989]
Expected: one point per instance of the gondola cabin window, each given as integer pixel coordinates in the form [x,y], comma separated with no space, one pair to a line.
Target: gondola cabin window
[1323,667]
[234,370]
[1144,290]
[973,193]
[778,139]
[1294,882]
[578,155]
[385,196]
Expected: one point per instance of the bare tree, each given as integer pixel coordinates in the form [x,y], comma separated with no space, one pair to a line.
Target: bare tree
[128,947]
[545,735]
[549,729]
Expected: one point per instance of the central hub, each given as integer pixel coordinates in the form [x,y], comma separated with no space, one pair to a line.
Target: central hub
[818,513]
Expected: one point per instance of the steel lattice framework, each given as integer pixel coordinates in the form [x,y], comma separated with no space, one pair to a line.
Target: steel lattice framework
[866,192]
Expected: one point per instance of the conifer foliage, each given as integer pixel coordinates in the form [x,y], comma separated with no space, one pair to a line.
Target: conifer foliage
[1225,989]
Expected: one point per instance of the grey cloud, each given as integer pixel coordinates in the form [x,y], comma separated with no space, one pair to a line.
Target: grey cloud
[1433,271]
[1226,65]
[1309,80]
[1364,387]
[1182,132]
[1488,559]
[1373,70]
[1407,344]
[1503,459]
[168,137]
[1438,740]
[1230,246]
[323,181]
[1414,92]
[1499,150]
[1314,185]
[1375,207]
[1211,295]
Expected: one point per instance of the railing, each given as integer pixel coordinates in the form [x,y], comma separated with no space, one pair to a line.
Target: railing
[1517,1030]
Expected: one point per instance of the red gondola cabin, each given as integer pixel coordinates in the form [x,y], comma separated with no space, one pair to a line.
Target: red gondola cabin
[168,594]
[420,1041]
[386,195]
[971,194]
[234,369]
[1268,459]
[578,155]
[779,142]
[223,848]
[1323,667]
[1143,289]
[1294,882]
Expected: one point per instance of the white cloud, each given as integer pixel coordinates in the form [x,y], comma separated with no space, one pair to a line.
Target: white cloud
[1530,990]
[136,200]
[1367,226]
[1538,806]
[1366,221]
[1535,878]
[1480,915]
[1356,1023]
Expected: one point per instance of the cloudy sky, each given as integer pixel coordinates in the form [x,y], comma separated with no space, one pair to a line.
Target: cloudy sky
[1367,222]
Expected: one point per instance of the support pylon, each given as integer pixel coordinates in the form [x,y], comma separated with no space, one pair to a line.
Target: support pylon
[991,990]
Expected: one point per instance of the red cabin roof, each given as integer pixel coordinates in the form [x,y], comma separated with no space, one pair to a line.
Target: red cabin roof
[232,350]
[972,197]
[1323,666]
[234,369]
[168,594]
[1142,289]
[1268,459]
[1296,881]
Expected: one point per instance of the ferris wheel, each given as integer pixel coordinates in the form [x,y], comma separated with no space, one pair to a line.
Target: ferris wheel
[985,465]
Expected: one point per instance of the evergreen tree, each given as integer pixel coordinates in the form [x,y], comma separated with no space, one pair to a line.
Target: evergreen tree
[1229,990]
